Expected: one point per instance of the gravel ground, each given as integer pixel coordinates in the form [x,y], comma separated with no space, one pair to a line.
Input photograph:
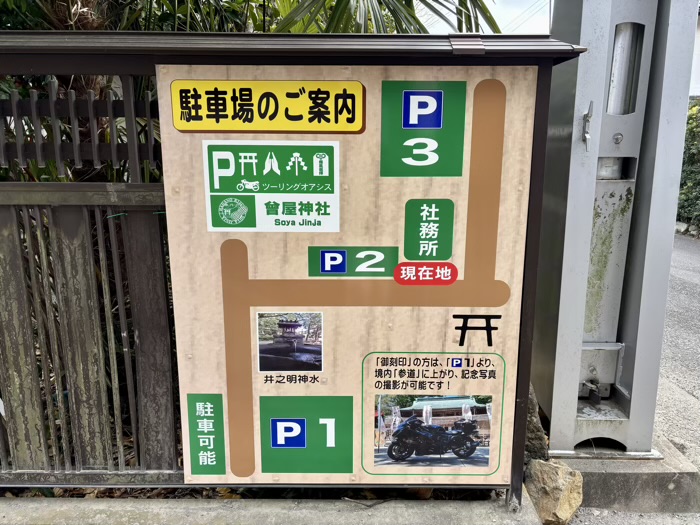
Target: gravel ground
[679,387]
[610,517]
[678,408]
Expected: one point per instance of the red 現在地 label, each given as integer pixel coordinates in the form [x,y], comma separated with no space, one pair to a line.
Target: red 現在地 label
[425,273]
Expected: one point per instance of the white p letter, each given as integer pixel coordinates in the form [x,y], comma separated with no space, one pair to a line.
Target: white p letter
[420,105]
[287,429]
[217,157]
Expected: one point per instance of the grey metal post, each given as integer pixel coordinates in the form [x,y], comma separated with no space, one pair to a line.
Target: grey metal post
[607,134]
[651,237]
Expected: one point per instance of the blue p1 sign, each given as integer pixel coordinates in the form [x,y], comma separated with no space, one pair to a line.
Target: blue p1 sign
[334,261]
[456,362]
[422,109]
[288,433]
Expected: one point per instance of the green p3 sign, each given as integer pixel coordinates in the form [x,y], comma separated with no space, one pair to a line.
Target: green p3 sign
[423,128]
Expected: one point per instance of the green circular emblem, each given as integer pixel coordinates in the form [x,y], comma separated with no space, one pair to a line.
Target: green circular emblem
[232,211]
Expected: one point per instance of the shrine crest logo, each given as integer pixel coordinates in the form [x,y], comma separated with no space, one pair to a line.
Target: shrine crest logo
[232,211]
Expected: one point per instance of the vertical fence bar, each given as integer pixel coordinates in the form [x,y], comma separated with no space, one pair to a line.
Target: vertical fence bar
[53,337]
[3,142]
[151,138]
[41,331]
[81,336]
[36,124]
[56,128]
[111,343]
[19,380]
[4,460]
[94,135]
[143,247]
[112,130]
[132,134]
[75,129]
[121,306]
[19,127]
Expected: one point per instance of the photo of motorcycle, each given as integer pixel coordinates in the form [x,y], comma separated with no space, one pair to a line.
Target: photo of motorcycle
[415,437]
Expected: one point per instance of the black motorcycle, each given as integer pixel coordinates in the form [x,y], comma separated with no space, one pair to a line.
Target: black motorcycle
[413,436]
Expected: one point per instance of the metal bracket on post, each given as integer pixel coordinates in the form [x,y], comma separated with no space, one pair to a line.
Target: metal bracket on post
[587,126]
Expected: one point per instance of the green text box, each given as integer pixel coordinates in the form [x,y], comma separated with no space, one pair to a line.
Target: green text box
[205,416]
[317,456]
[361,261]
[436,152]
[428,229]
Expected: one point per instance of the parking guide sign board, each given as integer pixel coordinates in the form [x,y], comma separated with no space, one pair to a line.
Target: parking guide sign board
[347,306]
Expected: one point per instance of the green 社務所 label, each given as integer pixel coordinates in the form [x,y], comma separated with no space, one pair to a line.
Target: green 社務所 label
[428,229]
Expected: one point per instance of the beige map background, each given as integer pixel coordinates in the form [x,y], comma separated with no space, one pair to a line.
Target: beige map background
[372,210]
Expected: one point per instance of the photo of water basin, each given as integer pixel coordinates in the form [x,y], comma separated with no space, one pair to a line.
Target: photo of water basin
[290,342]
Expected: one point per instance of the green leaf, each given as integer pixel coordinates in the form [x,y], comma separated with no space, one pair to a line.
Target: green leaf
[485,13]
[378,22]
[406,19]
[339,16]
[303,8]
[436,7]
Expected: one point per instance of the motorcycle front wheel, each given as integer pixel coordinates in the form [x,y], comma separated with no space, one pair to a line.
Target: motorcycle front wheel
[465,450]
[399,451]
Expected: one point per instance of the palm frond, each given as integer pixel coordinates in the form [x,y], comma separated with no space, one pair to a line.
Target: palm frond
[438,8]
[371,16]
[485,13]
[298,14]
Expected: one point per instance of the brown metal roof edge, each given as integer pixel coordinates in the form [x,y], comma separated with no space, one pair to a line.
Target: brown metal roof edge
[158,43]
[36,50]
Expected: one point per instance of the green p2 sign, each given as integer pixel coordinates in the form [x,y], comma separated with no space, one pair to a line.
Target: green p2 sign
[423,128]
[353,261]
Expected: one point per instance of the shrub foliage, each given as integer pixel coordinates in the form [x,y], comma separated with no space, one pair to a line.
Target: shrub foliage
[689,198]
